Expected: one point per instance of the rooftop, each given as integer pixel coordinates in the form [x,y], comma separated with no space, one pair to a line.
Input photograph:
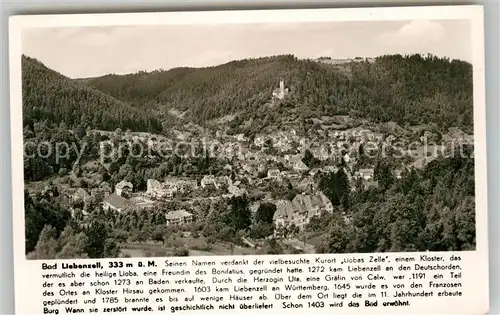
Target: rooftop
[117,202]
[177,214]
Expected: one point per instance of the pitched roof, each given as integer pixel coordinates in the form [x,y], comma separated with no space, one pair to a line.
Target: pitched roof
[301,204]
[154,183]
[300,165]
[172,215]
[366,171]
[124,184]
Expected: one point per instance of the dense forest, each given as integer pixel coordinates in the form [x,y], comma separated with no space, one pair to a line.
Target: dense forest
[405,89]
[50,96]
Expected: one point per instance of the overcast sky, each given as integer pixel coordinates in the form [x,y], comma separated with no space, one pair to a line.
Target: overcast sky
[79,52]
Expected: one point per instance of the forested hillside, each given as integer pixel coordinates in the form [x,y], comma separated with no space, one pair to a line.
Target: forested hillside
[429,209]
[405,89]
[48,95]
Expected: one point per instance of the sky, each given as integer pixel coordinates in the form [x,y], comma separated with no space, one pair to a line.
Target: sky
[80,52]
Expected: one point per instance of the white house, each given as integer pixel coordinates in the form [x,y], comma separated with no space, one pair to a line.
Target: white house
[274,173]
[366,173]
[178,217]
[207,180]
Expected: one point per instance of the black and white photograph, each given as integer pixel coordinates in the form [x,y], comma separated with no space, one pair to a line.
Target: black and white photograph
[248,139]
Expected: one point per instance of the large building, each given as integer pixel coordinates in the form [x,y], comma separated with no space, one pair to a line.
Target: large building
[156,189]
[178,217]
[169,187]
[300,210]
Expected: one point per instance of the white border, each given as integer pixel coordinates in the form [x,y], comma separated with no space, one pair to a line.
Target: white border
[473,13]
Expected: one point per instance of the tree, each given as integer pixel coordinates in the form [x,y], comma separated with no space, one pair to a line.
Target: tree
[309,159]
[46,248]
[383,175]
[335,185]
[265,212]
[66,236]
[40,212]
[239,216]
[74,247]
[97,235]
[338,237]
[110,249]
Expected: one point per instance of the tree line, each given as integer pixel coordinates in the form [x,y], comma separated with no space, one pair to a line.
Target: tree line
[48,95]
[429,209]
[410,89]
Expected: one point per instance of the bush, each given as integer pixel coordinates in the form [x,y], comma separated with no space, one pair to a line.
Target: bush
[181,252]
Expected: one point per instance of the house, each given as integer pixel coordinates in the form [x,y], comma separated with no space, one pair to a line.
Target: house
[222,181]
[290,174]
[178,217]
[370,184]
[116,202]
[241,137]
[247,168]
[274,173]
[235,191]
[157,189]
[300,210]
[321,153]
[208,180]
[281,92]
[217,182]
[81,195]
[329,169]
[124,189]
[366,173]
[307,185]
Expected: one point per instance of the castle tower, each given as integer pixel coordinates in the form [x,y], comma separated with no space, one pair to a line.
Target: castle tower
[281,91]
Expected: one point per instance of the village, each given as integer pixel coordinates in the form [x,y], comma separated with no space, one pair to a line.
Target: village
[282,168]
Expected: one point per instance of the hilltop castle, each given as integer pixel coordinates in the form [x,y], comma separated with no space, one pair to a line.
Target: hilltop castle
[281,92]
